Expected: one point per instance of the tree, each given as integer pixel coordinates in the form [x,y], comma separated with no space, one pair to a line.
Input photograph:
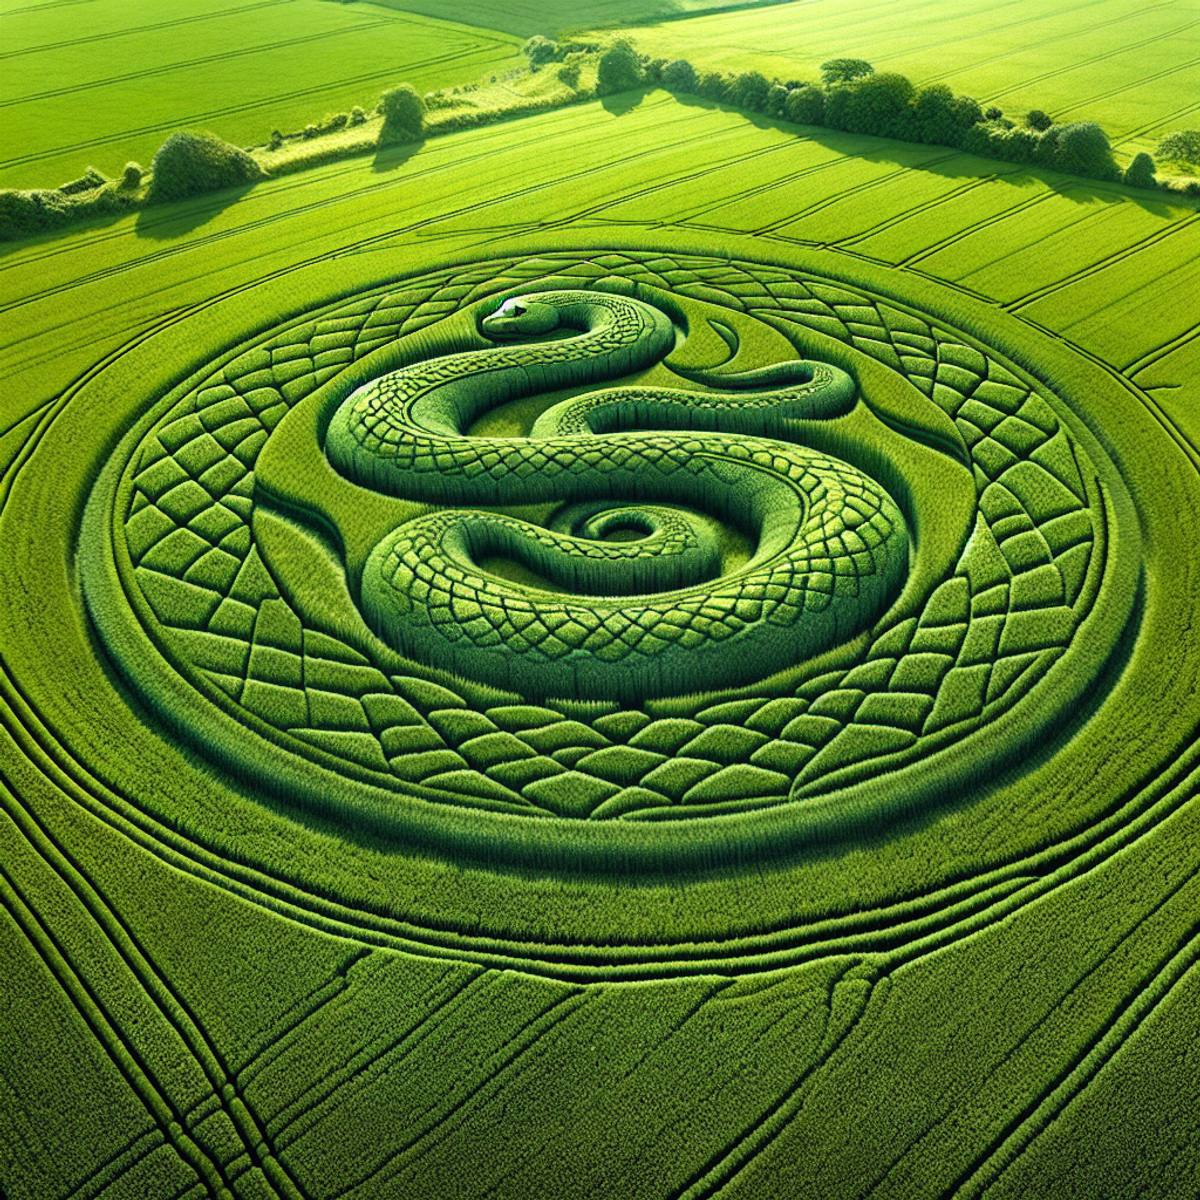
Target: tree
[403,115]
[1083,149]
[805,105]
[967,111]
[844,70]
[619,69]
[131,177]
[1036,119]
[679,76]
[714,86]
[880,105]
[1182,146]
[190,164]
[992,113]
[1140,172]
[776,99]
[933,116]
[749,90]
[539,50]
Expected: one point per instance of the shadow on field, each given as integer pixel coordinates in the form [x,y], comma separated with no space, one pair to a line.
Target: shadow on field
[950,162]
[161,222]
[623,102]
[390,157]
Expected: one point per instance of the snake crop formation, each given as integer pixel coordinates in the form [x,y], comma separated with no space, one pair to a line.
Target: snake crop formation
[614,559]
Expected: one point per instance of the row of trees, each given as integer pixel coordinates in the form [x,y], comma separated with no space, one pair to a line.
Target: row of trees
[853,97]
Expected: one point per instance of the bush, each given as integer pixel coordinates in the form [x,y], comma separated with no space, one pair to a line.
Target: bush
[680,76]
[190,164]
[1140,172]
[966,112]
[1017,144]
[131,177]
[749,90]
[844,70]
[568,73]
[334,123]
[620,69]
[1182,146]
[776,99]
[539,50]
[1036,119]
[654,70]
[992,113]
[880,105]
[310,131]
[805,105]
[87,182]
[357,116]
[1082,149]
[933,116]
[403,115]
[276,139]
[25,213]
[713,86]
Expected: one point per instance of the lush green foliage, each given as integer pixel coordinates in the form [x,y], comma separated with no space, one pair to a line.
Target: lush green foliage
[191,164]
[620,68]
[1181,146]
[845,70]
[403,115]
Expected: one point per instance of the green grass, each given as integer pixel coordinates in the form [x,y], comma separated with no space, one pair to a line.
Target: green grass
[991,996]
[525,18]
[108,84]
[1114,62]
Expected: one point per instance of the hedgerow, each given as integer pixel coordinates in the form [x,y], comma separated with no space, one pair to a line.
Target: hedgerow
[851,97]
[191,164]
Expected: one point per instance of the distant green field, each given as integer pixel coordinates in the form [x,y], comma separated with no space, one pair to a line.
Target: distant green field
[524,18]
[1135,70]
[104,83]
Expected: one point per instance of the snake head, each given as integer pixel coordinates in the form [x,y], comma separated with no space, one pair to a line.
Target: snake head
[521,316]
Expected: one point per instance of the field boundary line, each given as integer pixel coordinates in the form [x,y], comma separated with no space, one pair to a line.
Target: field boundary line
[1128,251]
[187,64]
[933,1125]
[722,1169]
[163,998]
[528,1036]
[120,33]
[1131,1013]
[1074,35]
[196,118]
[109,1035]
[1153,357]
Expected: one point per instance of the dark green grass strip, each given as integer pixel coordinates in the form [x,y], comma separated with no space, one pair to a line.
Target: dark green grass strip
[109,1035]
[165,1000]
[1133,1011]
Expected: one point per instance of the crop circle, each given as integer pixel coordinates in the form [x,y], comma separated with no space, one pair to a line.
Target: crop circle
[226,560]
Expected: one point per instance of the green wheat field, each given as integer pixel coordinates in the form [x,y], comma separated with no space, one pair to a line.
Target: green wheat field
[619,623]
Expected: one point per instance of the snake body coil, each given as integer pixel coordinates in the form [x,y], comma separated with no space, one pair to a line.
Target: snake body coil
[632,618]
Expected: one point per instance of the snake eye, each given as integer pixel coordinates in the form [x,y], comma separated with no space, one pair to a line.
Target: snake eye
[517,310]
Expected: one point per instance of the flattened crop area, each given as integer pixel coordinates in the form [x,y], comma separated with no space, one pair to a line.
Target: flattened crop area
[288,911]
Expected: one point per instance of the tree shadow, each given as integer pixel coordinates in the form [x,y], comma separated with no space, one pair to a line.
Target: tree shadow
[388,158]
[162,222]
[621,103]
[953,163]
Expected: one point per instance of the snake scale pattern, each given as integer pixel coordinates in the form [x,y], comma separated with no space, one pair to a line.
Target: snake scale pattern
[642,616]
[249,637]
